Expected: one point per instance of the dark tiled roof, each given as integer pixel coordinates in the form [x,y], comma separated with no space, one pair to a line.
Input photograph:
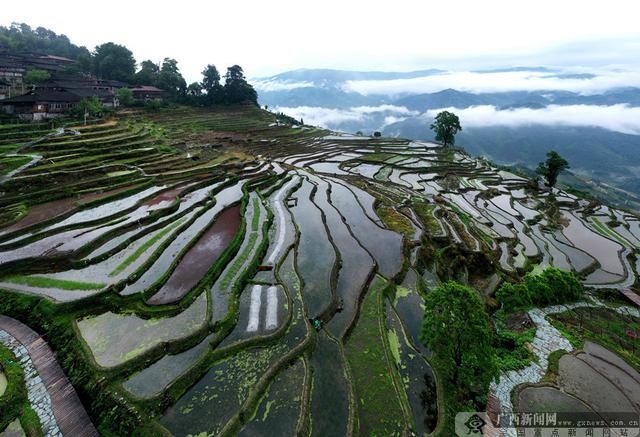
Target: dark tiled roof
[89,92]
[146,89]
[112,83]
[44,96]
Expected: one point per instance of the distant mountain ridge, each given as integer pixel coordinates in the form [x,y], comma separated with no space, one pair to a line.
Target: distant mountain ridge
[336,76]
[517,121]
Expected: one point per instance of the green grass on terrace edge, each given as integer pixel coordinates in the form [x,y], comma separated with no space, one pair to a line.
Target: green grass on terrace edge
[10,163]
[239,261]
[142,249]
[44,282]
[606,231]
[379,409]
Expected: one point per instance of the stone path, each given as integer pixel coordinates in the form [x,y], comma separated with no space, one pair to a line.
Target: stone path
[52,397]
[633,297]
[546,340]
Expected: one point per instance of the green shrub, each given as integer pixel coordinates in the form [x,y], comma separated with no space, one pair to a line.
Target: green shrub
[15,395]
[510,345]
[552,286]
[514,296]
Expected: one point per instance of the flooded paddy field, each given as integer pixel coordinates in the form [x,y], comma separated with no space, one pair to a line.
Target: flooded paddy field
[227,274]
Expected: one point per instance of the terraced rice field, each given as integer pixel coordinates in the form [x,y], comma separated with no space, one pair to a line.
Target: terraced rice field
[192,252]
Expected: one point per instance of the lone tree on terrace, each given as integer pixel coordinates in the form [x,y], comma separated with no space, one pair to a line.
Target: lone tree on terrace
[446,125]
[456,329]
[551,168]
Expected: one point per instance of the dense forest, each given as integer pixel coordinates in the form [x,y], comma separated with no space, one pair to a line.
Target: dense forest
[21,38]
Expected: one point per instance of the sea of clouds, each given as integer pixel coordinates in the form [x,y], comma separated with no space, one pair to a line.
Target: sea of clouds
[493,82]
[587,81]
[618,118]
[331,117]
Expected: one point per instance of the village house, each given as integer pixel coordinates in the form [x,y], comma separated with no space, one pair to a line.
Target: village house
[86,86]
[64,89]
[40,104]
[13,67]
[146,93]
[5,89]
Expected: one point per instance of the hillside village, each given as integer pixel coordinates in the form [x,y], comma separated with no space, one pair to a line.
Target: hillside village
[61,91]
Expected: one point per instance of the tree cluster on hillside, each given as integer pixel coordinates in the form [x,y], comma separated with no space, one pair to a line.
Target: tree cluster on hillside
[210,91]
[113,61]
[120,65]
[21,38]
[552,286]
[116,62]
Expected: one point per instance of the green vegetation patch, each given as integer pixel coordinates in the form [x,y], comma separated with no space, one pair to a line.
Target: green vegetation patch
[10,163]
[551,286]
[465,182]
[12,213]
[142,249]
[379,409]
[395,221]
[379,157]
[44,282]
[425,213]
[14,402]
[618,333]
[510,344]
[554,363]
[606,231]
[456,329]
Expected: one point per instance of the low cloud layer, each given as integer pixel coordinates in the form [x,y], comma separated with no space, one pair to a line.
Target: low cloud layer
[496,82]
[328,117]
[617,118]
[276,85]
[384,108]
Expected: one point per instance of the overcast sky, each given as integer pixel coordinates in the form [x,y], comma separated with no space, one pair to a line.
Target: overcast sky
[268,37]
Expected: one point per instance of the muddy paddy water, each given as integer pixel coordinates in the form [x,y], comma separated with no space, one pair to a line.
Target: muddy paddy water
[50,210]
[166,198]
[199,259]
[165,261]
[116,338]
